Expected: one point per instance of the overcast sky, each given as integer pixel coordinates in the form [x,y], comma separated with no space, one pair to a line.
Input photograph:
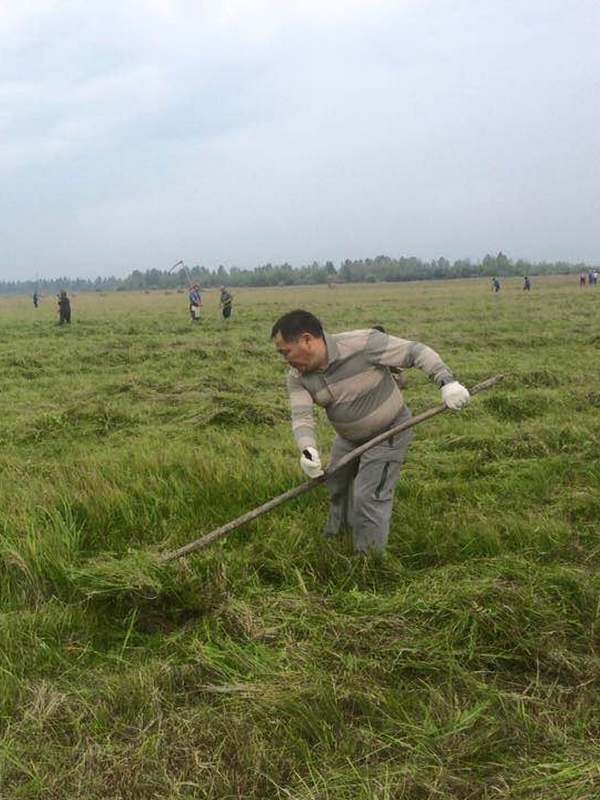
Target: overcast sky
[138,132]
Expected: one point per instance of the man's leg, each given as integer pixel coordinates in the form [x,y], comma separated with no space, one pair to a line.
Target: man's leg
[340,489]
[373,499]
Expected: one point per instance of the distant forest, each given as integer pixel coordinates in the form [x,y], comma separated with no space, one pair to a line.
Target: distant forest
[368,270]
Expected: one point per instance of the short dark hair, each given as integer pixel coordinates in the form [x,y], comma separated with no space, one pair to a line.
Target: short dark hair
[379,328]
[295,323]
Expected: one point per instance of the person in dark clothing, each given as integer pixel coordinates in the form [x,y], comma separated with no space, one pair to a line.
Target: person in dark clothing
[226,302]
[64,308]
[35,299]
[495,285]
[526,284]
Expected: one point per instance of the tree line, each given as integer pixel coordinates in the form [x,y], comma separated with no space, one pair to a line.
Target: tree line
[368,270]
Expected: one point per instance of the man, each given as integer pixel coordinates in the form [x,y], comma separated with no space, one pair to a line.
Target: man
[349,374]
[526,284]
[226,302]
[195,302]
[64,308]
[35,298]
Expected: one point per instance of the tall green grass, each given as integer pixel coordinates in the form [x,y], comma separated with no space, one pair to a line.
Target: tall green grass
[464,664]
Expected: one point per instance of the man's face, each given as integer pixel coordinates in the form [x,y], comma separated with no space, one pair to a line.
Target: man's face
[304,353]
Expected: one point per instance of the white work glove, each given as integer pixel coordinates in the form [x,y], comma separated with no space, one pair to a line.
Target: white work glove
[455,395]
[310,461]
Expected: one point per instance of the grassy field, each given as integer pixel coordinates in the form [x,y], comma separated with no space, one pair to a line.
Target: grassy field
[466,664]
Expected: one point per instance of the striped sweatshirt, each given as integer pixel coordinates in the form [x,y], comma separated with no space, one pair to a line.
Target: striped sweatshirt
[356,388]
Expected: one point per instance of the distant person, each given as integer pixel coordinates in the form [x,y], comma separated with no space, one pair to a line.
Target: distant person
[226,302]
[64,308]
[35,297]
[495,285]
[582,279]
[595,276]
[349,375]
[195,299]
[526,284]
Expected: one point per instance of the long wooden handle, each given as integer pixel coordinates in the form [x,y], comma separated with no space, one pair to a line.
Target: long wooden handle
[219,533]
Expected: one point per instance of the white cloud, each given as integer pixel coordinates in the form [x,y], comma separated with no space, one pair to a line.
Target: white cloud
[252,130]
[48,119]
[125,61]
[249,22]
[262,18]
[16,15]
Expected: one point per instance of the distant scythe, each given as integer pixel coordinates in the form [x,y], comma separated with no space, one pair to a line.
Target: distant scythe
[181,264]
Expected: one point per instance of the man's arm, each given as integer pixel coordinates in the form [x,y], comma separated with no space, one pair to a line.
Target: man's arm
[303,422]
[390,351]
[303,426]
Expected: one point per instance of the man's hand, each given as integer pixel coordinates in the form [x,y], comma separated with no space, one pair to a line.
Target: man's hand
[310,461]
[455,395]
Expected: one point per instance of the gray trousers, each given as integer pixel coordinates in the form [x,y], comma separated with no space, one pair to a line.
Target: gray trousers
[362,493]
